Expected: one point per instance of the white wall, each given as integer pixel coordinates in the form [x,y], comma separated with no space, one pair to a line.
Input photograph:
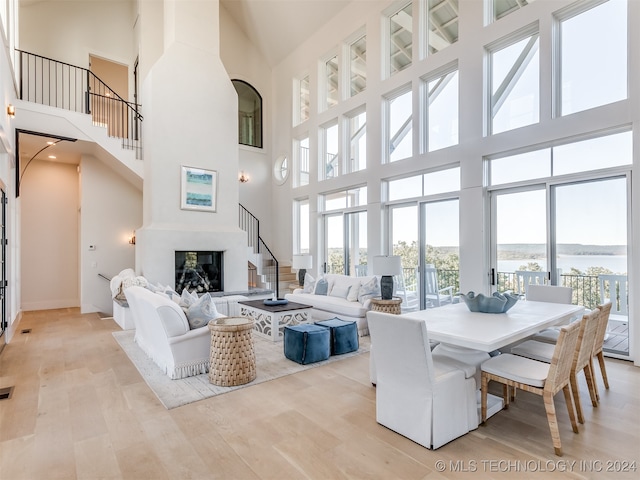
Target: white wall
[70,30]
[243,61]
[50,203]
[111,211]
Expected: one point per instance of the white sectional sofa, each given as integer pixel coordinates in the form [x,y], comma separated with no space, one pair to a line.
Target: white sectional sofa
[348,298]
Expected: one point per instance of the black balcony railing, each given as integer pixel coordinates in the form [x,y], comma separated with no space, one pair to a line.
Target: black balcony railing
[61,85]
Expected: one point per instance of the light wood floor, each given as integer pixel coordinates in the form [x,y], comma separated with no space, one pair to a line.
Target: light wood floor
[81,410]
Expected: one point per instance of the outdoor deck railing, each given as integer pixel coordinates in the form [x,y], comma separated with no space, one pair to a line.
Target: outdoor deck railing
[586,288]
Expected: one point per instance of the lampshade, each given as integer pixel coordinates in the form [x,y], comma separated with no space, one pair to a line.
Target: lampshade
[303,260]
[387,265]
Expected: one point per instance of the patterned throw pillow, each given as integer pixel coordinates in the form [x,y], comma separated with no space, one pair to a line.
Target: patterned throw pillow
[369,290]
[309,283]
[187,299]
[201,312]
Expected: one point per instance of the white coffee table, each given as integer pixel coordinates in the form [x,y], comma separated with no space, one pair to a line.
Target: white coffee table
[269,320]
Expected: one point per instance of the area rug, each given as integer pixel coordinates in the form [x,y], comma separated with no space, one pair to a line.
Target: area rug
[270,364]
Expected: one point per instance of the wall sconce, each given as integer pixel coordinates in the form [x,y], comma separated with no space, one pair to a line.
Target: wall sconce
[243,178]
[11,110]
[132,240]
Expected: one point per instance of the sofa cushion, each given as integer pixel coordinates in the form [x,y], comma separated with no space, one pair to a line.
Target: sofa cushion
[338,306]
[352,284]
[340,291]
[201,312]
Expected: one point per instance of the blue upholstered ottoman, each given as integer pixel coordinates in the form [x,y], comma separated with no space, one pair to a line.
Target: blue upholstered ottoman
[306,343]
[344,335]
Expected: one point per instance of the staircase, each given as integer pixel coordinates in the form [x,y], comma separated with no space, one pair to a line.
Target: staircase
[264,269]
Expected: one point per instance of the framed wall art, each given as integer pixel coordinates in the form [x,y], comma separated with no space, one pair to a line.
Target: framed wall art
[199,189]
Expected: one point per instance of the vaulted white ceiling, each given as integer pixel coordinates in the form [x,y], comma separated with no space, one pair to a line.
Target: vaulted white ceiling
[277,27]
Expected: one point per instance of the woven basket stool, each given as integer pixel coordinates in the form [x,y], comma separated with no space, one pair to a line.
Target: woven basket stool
[233,360]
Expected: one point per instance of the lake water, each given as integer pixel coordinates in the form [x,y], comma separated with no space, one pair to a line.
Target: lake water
[615,263]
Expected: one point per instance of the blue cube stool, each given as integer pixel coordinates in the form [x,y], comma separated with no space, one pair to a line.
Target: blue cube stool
[306,343]
[344,335]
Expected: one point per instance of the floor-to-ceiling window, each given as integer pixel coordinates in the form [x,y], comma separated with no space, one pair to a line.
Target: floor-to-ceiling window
[345,231]
[423,218]
[560,216]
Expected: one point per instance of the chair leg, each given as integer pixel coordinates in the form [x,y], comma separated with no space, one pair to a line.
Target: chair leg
[576,395]
[572,416]
[595,384]
[603,370]
[505,395]
[483,398]
[553,421]
[591,381]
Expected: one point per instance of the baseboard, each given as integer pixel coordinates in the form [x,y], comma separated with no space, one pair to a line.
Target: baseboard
[50,305]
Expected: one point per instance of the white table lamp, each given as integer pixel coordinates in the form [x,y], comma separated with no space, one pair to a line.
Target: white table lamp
[301,262]
[387,266]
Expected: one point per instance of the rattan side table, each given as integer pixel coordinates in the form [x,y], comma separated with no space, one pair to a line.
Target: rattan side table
[232,358]
[386,306]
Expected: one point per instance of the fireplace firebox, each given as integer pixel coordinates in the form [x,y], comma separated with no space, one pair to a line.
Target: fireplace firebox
[199,271]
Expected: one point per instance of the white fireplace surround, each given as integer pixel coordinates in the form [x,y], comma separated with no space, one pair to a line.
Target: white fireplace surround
[156,247]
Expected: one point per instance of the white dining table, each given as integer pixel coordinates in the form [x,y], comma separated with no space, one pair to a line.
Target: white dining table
[455,325]
[469,336]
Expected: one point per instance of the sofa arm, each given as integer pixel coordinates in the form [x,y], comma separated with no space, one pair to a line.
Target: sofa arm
[298,290]
[367,304]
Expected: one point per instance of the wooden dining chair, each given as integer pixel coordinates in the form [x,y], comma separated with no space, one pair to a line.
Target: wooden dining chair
[582,359]
[540,378]
[605,309]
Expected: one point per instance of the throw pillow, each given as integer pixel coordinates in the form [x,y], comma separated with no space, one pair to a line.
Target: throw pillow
[187,298]
[309,283]
[339,291]
[201,312]
[322,286]
[369,290]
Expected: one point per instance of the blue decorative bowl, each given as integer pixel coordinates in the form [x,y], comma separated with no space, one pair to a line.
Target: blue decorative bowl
[497,303]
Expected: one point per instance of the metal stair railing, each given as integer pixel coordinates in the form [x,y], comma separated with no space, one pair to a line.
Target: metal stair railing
[62,85]
[270,268]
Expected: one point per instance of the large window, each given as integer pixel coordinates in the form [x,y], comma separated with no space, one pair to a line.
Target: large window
[442,111]
[603,152]
[357,126]
[249,114]
[400,39]
[443,24]
[302,100]
[358,66]
[515,92]
[331,84]
[432,183]
[301,149]
[559,215]
[593,66]
[330,160]
[399,126]
[345,231]
[502,8]
[301,226]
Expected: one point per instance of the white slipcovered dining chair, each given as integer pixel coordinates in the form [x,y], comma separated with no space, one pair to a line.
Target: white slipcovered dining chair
[582,360]
[430,401]
[540,378]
